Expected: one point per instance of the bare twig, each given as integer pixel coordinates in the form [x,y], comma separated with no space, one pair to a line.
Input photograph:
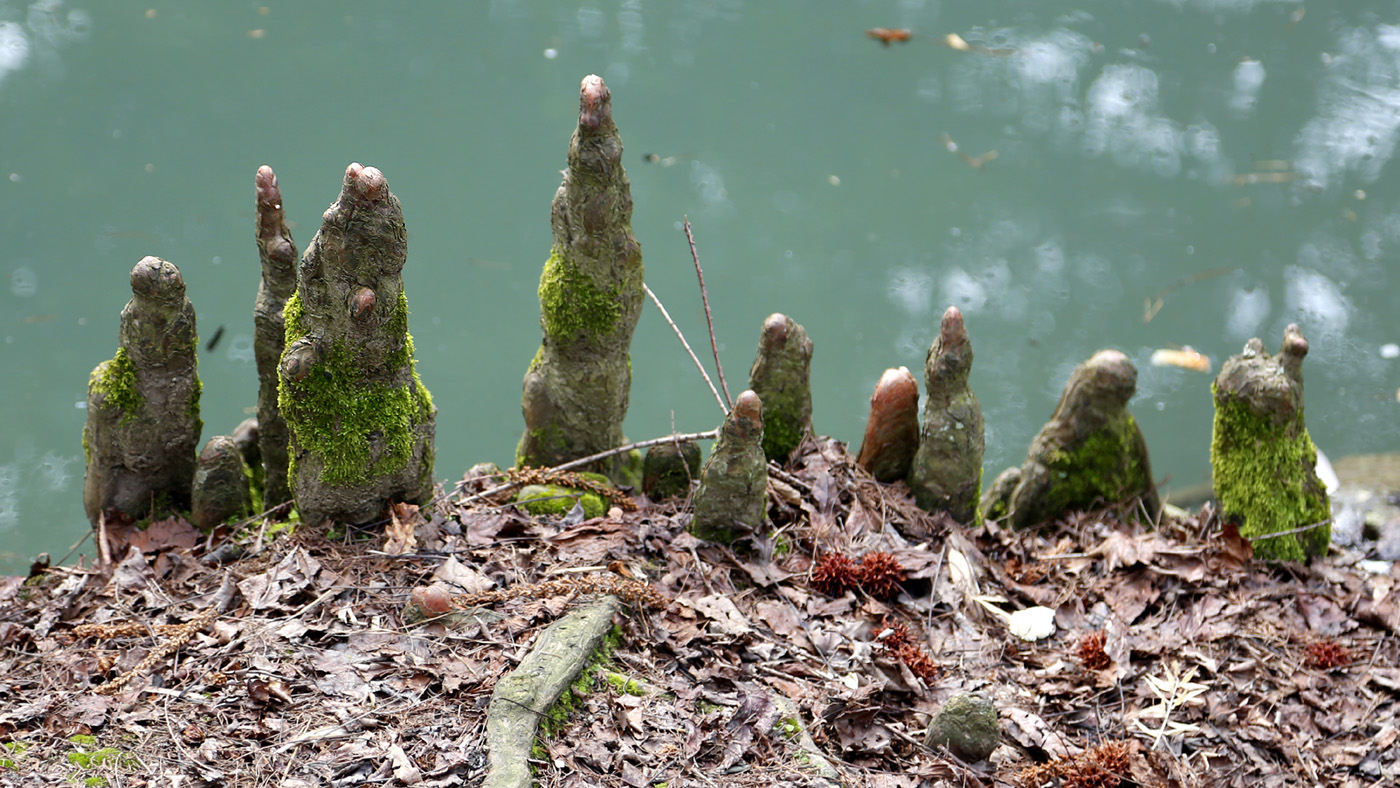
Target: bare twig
[686,345]
[709,321]
[592,458]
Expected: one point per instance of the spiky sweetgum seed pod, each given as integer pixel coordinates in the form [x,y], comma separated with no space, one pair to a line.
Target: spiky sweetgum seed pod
[835,574]
[1090,652]
[880,575]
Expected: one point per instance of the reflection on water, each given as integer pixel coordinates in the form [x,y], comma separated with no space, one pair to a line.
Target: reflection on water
[1146,176]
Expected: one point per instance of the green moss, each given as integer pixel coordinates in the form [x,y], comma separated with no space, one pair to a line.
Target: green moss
[116,381]
[85,758]
[334,411]
[1263,480]
[623,684]
[789,727]
[558,715]
[557,499]
[1096,471]
[571,304]
[782,428]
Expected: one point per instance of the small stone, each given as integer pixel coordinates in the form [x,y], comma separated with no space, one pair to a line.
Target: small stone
[967,726]
[732,500]
[946,474]
[781,377]
[220,491]
[1263,461]
[1090,453]
[892,430]
[669,468]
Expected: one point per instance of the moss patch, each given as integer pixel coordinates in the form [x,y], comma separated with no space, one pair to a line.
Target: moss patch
[334,412]
[115,380]
[1263,479]
[571,304]
[1096,470]
[557,499]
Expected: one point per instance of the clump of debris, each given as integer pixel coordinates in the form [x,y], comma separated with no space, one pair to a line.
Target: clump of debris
[813,653]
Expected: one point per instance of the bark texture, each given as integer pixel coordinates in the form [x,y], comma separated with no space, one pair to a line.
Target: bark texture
[221,486]
[1263,461]
[576,389]
[360,421]
[278,253]
[782,377]
[143,420]
[946,473]
[732,500]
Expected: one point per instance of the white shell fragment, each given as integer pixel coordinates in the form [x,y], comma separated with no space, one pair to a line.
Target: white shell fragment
[1033,623]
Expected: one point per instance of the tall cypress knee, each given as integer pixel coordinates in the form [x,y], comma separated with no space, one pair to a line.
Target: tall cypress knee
[143,421]
[576,389]
[278,253]
[947,469]
[781,376]
[361,423]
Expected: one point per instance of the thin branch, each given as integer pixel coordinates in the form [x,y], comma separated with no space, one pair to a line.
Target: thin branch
[709,321]
[686,345]
[592,458]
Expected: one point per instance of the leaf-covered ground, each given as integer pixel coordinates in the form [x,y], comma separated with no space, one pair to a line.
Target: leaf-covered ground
[1176,661]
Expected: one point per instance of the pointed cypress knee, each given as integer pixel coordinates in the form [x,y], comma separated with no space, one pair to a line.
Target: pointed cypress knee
[360,421]
[576,389]
[143,405]
[732,500]
[892,429]
[1091,452]
[221,488]
[669,469]
[781,376]
[278,254]
[947,470]
[1263,461]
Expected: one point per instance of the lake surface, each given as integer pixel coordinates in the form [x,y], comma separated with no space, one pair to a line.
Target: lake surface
[1136,145]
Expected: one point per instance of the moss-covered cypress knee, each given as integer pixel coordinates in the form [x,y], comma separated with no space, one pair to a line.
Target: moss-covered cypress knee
[1090,453]
[143,405]
[278,254]
[732,500]
[946,473]
[892,429]
[576,389]
[360,421]
[221,490]
[669,468]
[1262,458]
[782,377]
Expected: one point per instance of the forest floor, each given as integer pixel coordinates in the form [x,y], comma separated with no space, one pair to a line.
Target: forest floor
[1177,659]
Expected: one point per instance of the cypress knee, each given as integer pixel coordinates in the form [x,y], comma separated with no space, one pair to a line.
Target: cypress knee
[278,254]
[947,470]
[782,377]
[576,389]
[1263,461]
[143,405]
[360,421]
[732,500]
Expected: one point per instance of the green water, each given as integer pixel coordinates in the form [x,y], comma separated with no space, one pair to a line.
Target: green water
[808,157]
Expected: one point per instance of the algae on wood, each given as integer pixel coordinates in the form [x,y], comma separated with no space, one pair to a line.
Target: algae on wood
[143,420]
[781,377]
[523,696]
[576,389]
[1262,459]
[732,499]
[1090,453]
[946,473]
[278,254]
[360,421]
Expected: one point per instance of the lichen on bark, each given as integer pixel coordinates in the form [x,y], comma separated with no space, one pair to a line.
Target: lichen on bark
[781,377]
[361,422]
[576,389]
[143,420]
[732,499]
[278,254]
[1090,453]
[946,473]
[1263,461]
